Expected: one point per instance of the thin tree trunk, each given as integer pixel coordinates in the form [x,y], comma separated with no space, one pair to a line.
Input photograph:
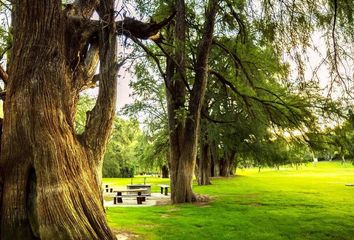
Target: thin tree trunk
[212,168]
[164,171]
[214,160]
[204,161]
[224,167]
[204,165]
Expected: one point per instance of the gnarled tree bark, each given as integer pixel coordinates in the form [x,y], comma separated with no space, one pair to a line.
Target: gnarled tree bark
[50,178]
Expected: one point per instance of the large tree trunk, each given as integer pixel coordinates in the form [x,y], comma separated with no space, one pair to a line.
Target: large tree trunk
[181,159]
[51,185]
[184,130]
[50,178]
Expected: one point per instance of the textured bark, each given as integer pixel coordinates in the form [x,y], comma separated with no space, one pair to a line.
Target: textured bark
[51,189]
[184,131]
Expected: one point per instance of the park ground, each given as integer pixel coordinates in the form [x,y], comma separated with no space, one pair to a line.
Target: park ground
[311,202]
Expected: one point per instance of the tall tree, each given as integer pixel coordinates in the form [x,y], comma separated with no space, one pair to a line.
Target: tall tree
[184,118]
[50,177]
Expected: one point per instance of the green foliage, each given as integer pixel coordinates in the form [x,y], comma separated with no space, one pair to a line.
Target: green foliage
[150,104]
[85,104]
[121,157]
[5,31]
[259,108]
[335,142]
[153,151]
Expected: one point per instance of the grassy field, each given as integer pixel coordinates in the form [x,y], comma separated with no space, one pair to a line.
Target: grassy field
[309,203]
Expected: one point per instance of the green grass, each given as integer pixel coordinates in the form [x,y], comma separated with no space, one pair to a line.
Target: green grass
[309,203]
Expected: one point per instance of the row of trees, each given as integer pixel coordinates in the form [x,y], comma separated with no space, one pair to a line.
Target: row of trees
[236,108]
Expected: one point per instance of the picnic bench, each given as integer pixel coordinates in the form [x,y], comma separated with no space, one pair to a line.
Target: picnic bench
[139,193]
[108,189]
[164,187]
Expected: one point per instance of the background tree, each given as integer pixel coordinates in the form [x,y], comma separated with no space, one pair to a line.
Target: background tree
[185,92]
[150,105]
[121,158]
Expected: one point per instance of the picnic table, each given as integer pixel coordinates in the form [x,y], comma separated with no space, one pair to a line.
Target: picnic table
[140,186]
[108,189]
[139,193]
[164,187]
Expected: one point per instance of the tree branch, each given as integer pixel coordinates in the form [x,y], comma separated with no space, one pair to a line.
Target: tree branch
[100,119]
[155,58]
[267,104]
[178,66]
[240,23]
[138,29]
[3,75]
[201,69]
[237,61]
[83,51]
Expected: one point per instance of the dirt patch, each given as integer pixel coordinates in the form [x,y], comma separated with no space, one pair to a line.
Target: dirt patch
[160,202]
[202,200]
[125,235]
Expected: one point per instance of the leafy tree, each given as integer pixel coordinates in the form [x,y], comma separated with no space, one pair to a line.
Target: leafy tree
[334,142]
[84,106]
[121,159]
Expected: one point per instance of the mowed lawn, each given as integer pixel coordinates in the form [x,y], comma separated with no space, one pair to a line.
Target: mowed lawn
[311,202]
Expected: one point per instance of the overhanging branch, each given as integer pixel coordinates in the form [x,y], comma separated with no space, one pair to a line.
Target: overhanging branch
[267,104]
[141,30]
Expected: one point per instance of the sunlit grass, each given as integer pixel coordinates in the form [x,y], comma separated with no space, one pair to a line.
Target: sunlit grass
[309,203]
